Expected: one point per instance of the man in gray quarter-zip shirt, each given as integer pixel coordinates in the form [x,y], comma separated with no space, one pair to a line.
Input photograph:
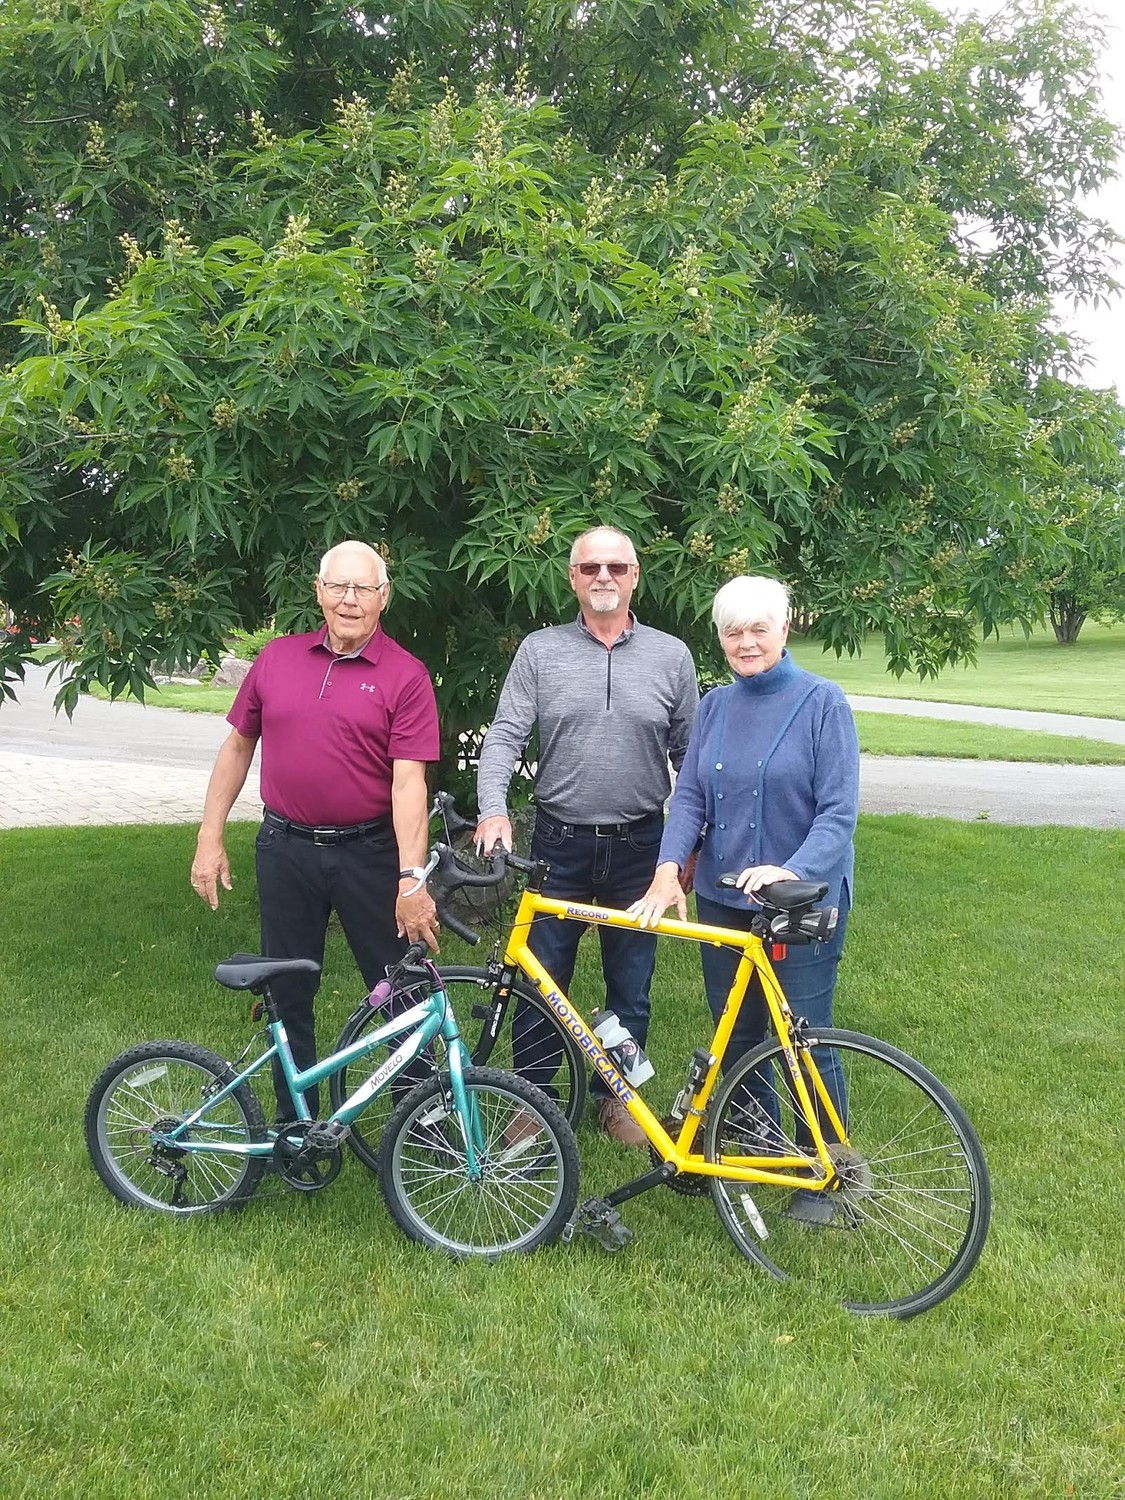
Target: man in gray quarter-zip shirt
[614,702]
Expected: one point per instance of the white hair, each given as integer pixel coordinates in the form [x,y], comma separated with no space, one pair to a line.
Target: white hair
[361,547]
[599,531]
[743,601]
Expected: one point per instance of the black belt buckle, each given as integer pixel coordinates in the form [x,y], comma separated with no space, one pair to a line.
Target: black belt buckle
[323,836]
[609,830]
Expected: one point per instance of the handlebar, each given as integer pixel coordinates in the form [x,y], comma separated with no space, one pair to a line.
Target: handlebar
[450,873]
[445,809]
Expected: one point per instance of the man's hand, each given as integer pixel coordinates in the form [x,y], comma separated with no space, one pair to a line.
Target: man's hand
[489,830]
[209,869]
[754,877]
[416,917]
[665,891]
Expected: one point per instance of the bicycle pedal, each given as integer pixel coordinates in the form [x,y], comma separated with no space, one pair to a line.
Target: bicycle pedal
[602,1222]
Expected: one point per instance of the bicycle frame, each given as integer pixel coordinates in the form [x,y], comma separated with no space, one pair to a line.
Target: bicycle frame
[425,1021]
[774,1170]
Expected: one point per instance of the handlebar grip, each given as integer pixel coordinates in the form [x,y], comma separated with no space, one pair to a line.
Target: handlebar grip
[415,953]
[727,882]
[448,920]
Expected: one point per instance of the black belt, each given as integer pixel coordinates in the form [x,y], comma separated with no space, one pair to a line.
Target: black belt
[326,834]
[601,830]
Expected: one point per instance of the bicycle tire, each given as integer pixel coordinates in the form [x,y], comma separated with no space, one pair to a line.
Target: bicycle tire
[543,1039]
[529,1183]
[150,1086]
[911,1216]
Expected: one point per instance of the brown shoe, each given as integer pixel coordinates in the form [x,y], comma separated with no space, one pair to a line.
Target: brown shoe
[522,1129]
[615,1121]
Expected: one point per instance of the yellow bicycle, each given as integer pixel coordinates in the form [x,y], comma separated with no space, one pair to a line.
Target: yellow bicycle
[871,1185]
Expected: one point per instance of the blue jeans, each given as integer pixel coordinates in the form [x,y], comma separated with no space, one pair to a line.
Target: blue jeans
[807,974]
[595,869]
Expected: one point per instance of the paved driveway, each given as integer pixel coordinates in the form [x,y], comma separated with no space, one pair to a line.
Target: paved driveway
[123,763]
[998,791]
[113,763]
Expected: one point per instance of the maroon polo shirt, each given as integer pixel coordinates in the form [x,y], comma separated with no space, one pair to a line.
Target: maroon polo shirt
[332,727]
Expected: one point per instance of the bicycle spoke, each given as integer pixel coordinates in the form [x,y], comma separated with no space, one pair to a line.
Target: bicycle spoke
[904,1221]
[137,1104]
[506,1202]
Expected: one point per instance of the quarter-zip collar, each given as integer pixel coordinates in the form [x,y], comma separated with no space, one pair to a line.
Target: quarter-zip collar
[623,639]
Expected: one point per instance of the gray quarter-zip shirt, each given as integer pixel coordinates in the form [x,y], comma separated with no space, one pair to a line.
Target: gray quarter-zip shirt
[610,720]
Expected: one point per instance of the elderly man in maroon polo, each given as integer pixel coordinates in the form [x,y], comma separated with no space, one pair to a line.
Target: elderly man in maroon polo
[347,722]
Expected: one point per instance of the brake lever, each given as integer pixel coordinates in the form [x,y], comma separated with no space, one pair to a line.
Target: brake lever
[427,870]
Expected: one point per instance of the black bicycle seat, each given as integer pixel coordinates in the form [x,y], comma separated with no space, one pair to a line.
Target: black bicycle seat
[247,971]
[784,894]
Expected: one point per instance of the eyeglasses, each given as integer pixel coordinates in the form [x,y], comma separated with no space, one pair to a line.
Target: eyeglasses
[614,569]
[362,591]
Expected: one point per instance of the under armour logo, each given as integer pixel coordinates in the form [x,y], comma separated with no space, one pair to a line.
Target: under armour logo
[367,687]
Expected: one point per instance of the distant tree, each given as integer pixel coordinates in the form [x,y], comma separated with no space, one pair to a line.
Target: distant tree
[1083,575]
[765,283]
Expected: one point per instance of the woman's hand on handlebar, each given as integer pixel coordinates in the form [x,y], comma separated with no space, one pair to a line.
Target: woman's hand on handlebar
[490,831]
[665,891]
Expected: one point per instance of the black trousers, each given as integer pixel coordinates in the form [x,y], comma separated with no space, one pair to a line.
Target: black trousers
[299,884]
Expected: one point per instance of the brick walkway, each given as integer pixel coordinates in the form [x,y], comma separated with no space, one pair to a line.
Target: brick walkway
[113,763]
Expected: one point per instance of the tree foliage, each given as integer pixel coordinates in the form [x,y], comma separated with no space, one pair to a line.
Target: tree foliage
[765,283]
[1083,576]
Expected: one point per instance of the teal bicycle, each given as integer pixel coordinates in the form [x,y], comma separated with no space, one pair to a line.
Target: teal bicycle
[472,1161]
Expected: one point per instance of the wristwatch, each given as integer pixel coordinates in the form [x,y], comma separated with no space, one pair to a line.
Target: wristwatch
[415,872]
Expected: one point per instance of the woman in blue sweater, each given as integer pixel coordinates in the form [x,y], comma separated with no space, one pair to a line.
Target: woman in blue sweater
[771,782]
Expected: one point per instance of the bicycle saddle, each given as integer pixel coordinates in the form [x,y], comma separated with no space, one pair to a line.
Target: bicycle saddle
[784,894]
[247,971]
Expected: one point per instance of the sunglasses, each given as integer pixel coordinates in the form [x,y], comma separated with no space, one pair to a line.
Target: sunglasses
[614,569]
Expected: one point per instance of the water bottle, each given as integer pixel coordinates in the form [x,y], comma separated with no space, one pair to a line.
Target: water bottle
[622,1048]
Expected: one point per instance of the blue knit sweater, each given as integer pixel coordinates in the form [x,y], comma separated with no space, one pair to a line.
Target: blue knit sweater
[772,772]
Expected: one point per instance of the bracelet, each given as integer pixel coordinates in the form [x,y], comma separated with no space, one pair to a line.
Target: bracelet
[414,873]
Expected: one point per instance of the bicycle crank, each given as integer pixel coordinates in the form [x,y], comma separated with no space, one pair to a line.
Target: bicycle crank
[307,1155]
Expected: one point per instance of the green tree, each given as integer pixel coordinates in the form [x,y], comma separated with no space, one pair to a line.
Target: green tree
[1083,576]
[766,284]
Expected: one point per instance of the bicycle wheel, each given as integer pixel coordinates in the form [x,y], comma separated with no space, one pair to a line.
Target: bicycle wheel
[528,1182]
[909,1218]
[151,1088]
[496,1032]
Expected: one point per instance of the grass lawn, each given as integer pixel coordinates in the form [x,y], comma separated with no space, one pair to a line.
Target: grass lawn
[194,698]
[900,734]
[1012,672]
[302,1348]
